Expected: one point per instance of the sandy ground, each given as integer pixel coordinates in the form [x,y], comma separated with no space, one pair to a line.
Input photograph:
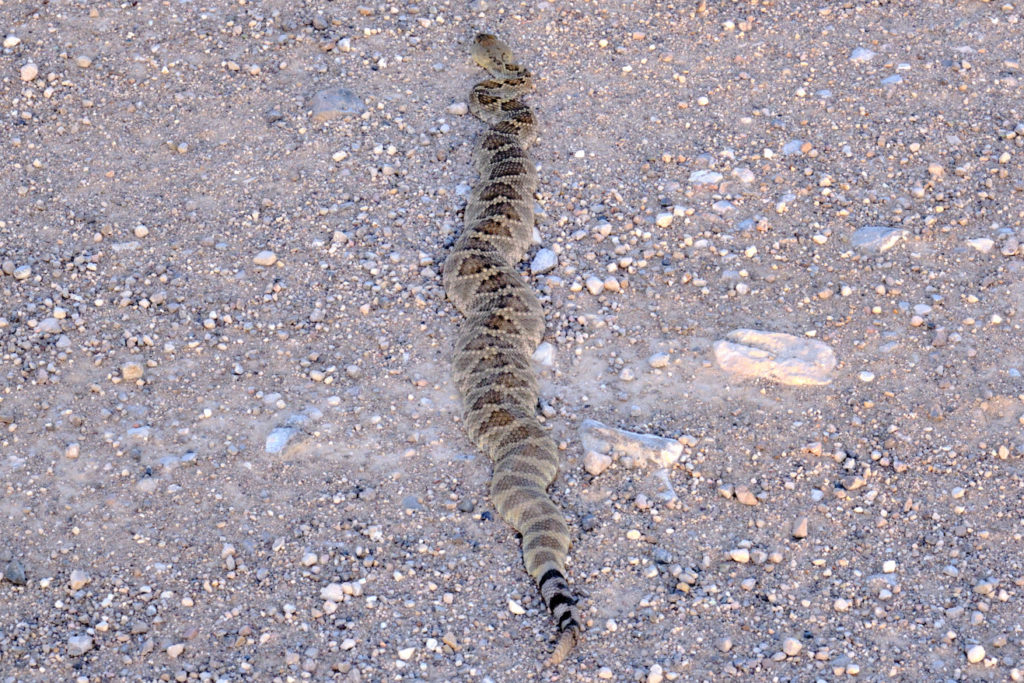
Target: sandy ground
[151,151]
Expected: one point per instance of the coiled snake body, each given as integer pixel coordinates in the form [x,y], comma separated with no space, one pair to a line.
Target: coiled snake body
[504,324]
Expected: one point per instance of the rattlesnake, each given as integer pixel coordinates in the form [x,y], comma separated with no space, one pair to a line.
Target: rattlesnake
[504,324]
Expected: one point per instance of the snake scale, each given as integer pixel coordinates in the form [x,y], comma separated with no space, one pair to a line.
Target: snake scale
[503,326]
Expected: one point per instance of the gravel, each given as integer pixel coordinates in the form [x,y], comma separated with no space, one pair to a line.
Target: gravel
[727,166]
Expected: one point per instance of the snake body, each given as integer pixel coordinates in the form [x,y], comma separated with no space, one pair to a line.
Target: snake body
[504,324]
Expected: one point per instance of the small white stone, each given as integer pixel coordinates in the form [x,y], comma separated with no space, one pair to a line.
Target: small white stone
[595,463]
[544,355]
[841,605]
[405,654]
[611,284]
[83,61]
[975,654]
[658,360]
[334,592]
[741,555]
[12,41]
[515,608]
[656,674]
[663,220]
[29,72]
[595,285]
[889,566]
[544,261]
[792,647]
[79,645]
[458,108]
[309,559]
[132,370]
[861,55]
[141,231]
[265,258]
[78,580]
[866,376]
[579,154]
[174,651]
[982,244]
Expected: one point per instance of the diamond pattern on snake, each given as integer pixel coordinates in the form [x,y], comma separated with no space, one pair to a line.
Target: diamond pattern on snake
[503,325]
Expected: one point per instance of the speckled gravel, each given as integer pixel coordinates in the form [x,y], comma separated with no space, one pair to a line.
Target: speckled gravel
[224,221]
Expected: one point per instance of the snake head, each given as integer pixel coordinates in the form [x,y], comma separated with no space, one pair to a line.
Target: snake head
[493,54]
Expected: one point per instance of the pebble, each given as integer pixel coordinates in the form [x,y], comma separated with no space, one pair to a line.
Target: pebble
[777,356]
[705,177]
[866,376]
[894,79]
[605,673]
[12,41]
[975,654]
[333,592]
[458,109]
[79,645]
[841,605]
[334,102]
[15,572]
[642,448]
[544,261]
[741,555]
[29,72]
[405,654]
[595,285]
[78,580]
[48,326]
[745,495]
[800,528]
[278,439]
[174,651]
[663,219]
[877,238]
[743,174]
[72,451]
[83,61]
[658,360]
[724,644]
[792,147]
[515,608]
[656,674]
[792,647]
[595,463]
[861,55]
[545,354]
[308,559]
[22,272]
[140,231]
[132,370]
[265,258]
[889,566]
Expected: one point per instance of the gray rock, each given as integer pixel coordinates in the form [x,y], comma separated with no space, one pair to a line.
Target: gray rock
[877,238]
[544,261]
[777,356]
[334,102]
[15,572]
[792,147]
[22,272]
[705,177]
[48,326]
[278,439]
[643,448]
[861,55]
[79,645]
[545,354]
